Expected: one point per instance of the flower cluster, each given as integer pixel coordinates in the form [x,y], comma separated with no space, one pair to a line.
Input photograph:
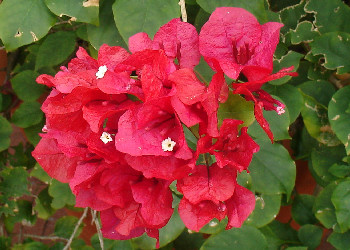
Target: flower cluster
[115,126]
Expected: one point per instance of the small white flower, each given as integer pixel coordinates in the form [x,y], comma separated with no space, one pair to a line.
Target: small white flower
[168,144]
[106,137]
[280,110]
[101,72]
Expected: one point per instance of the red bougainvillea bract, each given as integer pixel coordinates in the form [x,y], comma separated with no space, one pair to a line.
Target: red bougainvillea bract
[115,126]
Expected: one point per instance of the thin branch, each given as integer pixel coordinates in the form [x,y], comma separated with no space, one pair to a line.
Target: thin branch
[183,10]
[44,237]
[98,228]
[76,229]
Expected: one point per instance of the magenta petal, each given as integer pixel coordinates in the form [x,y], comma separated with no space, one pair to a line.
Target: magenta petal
[239,206]
[139,42]
[156,199]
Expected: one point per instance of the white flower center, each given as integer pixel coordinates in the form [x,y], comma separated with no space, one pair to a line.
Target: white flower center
[106,137]
[280,110]
[168,144]
[101,72]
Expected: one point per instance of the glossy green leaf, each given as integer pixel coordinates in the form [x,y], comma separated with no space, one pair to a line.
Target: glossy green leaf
[256,7]
[5,133]
[64,226]
[316,121]
[291,15]
[189,240]
[272,170]
[266,210]
[133,16]
[111,244]
[279,125]
[339,171]
[340,241]
[341,201]
[201,18]
[14,182]
[324,209]
[28,114]
[55,49]
[214,226]
[236,238]
[236,107]
[290,96]
[61,194]
[324,157]
[43,204]
[291,59]
[23,22]
[302,209]
[335,46]
[310,235]
[106,31]
[278,234]
[25,86]
[330,15]
[39,173]
[339,116]
[76,9]
[304,32]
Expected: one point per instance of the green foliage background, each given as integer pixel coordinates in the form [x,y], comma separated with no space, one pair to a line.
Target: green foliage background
[40,35]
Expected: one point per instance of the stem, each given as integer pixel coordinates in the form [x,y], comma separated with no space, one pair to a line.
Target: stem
[66,247]
[183,10]
[201,77]
[44,237]
[98,228]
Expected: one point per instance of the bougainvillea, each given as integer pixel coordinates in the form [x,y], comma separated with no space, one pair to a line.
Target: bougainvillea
[115,126]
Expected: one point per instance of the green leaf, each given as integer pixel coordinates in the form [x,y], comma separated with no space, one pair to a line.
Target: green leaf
[32,133]
[65,226]
[290,96]
[310,235]
[25,86]
[133,16]
[201,18]
[330,15]
[43,204]
[291,15]
[39,173]
[5,243]
[316,121]
[266,209]
[339,117]
[256,7]
[278,234]
[236,107]
[167,234]
[14,182]
[34,245]
[236,238]
[203,71]
[61,194]
[24,214]
[214,226]
[28,114]
[323,158]
[55,49]
[302,209]
[23,22]
[272,170]
[335,46]
[5,133]
[111,244]
[76,9]
[279,125]
[339,171]
[324,209]
[340,241]
[106,32]
[304,32]
[189,240]
[341,201]
[291,59]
